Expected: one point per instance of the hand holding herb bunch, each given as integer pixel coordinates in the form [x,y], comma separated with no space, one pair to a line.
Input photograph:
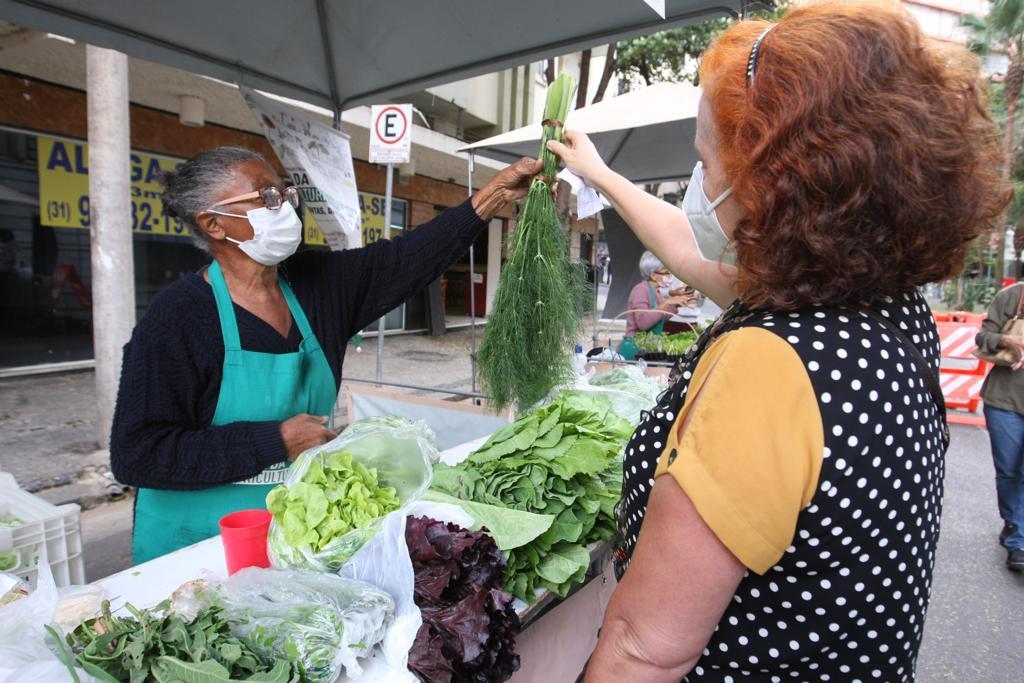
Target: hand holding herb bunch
[510,184]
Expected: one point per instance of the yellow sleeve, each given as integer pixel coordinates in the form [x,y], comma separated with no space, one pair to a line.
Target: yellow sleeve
[747,447]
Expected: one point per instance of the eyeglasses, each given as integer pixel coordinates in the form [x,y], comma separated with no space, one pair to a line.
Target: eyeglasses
[271,197]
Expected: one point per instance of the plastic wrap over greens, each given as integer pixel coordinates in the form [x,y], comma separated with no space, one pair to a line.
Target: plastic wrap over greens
[631,379]
[629,391]
[335,495]
[318,622]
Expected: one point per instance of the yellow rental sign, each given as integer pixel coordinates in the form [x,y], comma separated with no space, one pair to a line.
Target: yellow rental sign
[64,188]
[374,225]
[64,194]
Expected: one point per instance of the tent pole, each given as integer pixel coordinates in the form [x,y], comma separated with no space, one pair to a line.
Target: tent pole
[387,234]
[597,280]
[110,232]
[472,288]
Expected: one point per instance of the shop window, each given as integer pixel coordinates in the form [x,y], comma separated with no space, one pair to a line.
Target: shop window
[45,266]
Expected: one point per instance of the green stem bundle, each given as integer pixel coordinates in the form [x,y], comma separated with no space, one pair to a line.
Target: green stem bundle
[526,348]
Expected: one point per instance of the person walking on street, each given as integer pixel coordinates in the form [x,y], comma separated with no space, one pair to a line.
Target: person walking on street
[1003,393]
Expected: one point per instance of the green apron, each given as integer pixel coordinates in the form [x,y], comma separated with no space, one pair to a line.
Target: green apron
[627,347]
[255,387]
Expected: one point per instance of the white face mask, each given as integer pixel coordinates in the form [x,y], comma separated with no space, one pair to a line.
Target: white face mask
[712,242]
[276,234]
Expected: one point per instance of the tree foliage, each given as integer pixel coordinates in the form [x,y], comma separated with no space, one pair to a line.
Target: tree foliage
[667,56]
[1001,31]
[673,56]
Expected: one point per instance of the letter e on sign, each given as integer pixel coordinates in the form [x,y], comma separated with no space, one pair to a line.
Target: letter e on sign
[390,133]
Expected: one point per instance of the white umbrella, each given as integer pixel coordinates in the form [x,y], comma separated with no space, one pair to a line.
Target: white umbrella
[646,135]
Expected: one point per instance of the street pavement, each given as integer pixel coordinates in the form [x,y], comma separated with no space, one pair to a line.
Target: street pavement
[975,626]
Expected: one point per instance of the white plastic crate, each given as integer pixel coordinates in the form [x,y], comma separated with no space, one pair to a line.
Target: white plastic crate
[50,532]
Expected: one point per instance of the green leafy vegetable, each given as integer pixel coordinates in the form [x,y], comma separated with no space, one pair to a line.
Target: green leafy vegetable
[570,471]
[526,348]
[9,560]
[320,622]
[509,528]
[161,646]
[334,497]
[669,344]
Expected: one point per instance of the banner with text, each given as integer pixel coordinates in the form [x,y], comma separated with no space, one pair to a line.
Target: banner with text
[63,166]
[319,161]
[371,206]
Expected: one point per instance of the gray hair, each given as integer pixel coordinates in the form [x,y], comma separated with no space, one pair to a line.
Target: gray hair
[648,264]
[198,184]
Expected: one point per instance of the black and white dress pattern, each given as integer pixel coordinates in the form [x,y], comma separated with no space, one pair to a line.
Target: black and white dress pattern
[847,601]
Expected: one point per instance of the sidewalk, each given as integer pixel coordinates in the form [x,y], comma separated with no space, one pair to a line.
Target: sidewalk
[48,422]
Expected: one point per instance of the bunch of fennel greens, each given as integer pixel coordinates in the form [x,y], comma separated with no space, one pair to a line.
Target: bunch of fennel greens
[532,328]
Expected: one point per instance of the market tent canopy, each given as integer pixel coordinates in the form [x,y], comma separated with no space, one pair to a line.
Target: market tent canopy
[646,135]
[344,54]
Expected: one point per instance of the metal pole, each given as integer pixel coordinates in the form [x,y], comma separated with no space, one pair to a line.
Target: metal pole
[110,223]
[597,278]
[472,289]
[387,233]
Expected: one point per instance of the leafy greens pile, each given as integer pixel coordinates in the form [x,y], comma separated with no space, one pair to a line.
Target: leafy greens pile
[525,351]
[469,625]
[9,560]
[669,344]
[333,498]
[320,622]
[563,459]
[161,646]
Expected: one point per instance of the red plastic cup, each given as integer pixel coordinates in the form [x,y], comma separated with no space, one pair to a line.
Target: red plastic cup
[244,534]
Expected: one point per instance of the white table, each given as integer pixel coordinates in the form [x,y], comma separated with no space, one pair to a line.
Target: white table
[562,637]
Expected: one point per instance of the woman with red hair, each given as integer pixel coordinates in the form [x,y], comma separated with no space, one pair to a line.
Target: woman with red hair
[781,503]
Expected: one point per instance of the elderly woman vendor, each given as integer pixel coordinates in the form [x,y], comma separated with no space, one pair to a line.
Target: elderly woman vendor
[234,370]
[648,309]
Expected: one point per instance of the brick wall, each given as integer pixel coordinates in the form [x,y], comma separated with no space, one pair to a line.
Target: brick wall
[46,108]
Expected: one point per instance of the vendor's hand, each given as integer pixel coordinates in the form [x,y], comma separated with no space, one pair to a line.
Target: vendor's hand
[511,183]
[579,155]
[685,298]
[672,303]
[304,431]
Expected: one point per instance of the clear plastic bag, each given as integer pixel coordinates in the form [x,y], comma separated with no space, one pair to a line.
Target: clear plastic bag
[25,648]
[77,604]
[627,388]
[384,562]
[401,451]
[322,622]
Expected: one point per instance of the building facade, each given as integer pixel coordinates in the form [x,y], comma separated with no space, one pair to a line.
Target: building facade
[45,295]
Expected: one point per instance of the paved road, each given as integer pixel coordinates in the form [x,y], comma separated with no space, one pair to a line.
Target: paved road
[975,626]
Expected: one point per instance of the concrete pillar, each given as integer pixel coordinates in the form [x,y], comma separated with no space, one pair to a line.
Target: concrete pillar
[110,223]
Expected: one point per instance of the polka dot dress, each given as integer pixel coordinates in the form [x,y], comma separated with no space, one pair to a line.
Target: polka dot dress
[847,601]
